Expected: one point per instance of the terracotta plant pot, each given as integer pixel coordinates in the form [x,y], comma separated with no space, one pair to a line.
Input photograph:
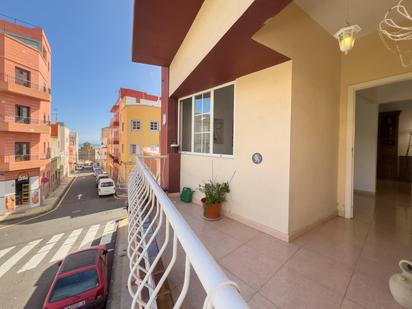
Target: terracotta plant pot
[212,212]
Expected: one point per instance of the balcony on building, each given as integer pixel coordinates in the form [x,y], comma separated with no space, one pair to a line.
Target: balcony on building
[21,85]
[23,123]
[23,161]
[115,136]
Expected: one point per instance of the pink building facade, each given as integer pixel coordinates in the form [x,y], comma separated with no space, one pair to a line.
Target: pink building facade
[25,79]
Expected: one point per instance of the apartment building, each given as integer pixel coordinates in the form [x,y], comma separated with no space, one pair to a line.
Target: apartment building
[87,153]
[25,79]
[135,128]
[73,151]
[103,147]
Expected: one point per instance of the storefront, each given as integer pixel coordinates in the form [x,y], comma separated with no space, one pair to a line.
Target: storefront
[19,189]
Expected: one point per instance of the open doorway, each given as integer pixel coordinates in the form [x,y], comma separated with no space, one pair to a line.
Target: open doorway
[382,172]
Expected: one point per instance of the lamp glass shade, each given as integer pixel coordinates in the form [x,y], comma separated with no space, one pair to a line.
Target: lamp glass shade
[346,37]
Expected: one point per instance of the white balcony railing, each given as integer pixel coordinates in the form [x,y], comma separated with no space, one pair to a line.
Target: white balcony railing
[151,212]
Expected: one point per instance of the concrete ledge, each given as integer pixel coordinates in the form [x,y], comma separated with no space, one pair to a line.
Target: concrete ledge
[119,296]
[50,203]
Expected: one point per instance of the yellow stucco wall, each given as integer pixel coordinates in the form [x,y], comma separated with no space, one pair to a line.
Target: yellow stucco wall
[315,95]
[305,183]
[259,193]
[144,137]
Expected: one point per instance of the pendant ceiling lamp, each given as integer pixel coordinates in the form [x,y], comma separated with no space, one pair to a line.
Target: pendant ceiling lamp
[346,35]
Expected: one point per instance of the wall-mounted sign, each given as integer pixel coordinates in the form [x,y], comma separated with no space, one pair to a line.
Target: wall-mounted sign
[45,180]
[257,158]
[22,178]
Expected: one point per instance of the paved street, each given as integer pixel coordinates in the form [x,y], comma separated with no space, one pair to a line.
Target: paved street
[31,247]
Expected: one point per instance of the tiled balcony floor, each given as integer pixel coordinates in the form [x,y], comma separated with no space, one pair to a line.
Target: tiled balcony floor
[340,264]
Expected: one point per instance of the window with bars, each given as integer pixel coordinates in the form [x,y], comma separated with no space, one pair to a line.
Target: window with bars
[135,125]
[154,126]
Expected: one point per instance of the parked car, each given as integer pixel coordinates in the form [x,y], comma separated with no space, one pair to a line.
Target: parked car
[100,176]
[79,167]
[97,171]
[81,281]
[106,187]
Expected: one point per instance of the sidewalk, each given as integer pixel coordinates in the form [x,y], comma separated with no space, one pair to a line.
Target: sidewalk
[50,202]
[121,191]
[119,296]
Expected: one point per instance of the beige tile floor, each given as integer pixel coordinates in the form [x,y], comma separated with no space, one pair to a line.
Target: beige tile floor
[340,264]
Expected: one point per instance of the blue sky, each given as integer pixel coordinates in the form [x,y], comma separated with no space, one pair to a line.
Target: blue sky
[91,57]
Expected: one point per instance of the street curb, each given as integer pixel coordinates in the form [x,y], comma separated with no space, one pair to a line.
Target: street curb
[119,296]
[39,211]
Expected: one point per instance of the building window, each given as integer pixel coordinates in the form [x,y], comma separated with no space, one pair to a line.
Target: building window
[22,114]
[207,120]
[154,126]
[133,148]
[135,125]
[44,117]
[122,148]
[22,151]
[122,126]
[22,77]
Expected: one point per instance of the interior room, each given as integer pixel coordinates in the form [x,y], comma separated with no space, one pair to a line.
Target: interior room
[382,152]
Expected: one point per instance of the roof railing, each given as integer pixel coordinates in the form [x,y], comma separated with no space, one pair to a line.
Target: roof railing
[151,211]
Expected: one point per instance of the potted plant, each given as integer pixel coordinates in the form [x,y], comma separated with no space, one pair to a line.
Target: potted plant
[215,195]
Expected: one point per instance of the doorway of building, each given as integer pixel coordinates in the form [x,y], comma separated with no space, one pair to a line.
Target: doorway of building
[383,127]
[22,190]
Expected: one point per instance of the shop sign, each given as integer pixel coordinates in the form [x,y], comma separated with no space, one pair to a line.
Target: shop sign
[22,178]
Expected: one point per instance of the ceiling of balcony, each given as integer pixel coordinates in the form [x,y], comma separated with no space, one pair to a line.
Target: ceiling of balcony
[331,14]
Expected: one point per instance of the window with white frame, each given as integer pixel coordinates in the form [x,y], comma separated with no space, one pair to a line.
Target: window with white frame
[207,120]
[133,149]
[154,126]
[135,125]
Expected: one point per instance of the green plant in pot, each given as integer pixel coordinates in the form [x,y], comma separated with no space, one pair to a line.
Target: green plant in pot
[215,194]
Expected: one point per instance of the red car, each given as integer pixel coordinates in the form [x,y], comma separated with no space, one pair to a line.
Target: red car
[81,281]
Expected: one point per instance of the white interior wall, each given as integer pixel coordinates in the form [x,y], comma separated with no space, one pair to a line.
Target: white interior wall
[405,123]
[366,139]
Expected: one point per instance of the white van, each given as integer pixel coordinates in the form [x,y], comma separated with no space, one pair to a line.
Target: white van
[106,187]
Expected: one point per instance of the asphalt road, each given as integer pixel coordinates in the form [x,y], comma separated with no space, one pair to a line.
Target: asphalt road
[30,250]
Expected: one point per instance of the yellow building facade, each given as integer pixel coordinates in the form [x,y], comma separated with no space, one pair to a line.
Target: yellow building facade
[139,128]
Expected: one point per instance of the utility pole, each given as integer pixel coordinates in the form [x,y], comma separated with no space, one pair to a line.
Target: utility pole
[55,113]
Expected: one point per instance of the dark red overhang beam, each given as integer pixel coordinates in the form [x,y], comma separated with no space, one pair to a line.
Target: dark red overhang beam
[236,54]
[159,27]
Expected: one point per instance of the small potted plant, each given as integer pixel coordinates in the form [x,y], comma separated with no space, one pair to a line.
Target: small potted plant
[215,195]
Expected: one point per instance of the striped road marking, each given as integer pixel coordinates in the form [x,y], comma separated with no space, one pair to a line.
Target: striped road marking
[108,232]
[90,235]
[5,251]
[35,260]
[65,248]
[15,258]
